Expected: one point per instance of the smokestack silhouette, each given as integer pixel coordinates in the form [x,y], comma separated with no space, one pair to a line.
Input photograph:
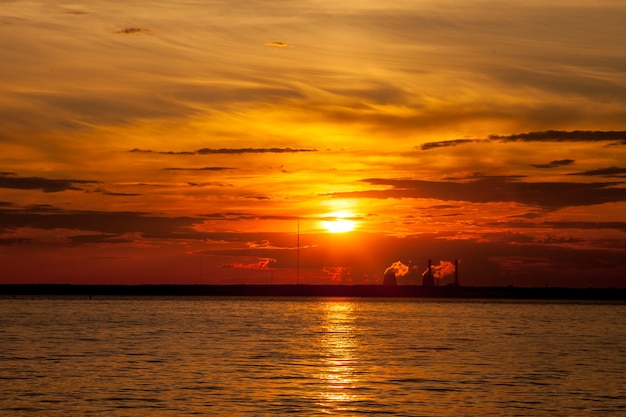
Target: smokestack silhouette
[427,278]
[390,278]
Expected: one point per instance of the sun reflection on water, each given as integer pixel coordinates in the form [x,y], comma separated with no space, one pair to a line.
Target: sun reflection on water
[339,343]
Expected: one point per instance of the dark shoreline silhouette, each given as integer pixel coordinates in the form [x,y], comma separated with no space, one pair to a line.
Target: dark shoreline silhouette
[305,290]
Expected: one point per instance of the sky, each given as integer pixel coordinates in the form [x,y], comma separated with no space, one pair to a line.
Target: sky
[313,141]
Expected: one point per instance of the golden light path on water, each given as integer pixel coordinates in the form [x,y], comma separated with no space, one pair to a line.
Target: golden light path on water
[339,342]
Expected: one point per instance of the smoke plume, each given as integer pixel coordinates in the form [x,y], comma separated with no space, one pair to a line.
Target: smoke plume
[398,268]
[442,270]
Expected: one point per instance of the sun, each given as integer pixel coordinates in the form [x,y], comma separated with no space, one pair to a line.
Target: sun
[339,225]
[339,220]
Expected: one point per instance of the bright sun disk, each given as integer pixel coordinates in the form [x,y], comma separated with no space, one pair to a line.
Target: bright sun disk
[339,225]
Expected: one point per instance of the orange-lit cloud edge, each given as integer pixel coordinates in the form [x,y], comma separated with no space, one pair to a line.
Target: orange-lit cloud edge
[152,151]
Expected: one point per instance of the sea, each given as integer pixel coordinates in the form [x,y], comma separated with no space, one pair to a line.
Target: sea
[264,356]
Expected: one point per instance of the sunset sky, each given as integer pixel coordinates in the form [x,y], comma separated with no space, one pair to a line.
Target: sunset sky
[189,141]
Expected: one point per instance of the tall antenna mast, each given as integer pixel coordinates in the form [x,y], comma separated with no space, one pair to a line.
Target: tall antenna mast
[298,255]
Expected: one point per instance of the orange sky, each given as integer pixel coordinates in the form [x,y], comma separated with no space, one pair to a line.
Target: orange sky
[180,142]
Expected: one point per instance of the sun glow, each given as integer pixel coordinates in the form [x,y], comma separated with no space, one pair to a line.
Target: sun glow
[339,223]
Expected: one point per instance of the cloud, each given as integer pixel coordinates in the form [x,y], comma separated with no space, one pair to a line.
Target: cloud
[133,30]
[237,215]
[117,224]
[112,223]
[117,194]
[339,274]
[276,44]
[261,264]
[230,151]
[205,151]
[15,241]
[75,12]
[487,189]
[199,169]
[233,215]
[414,29]
[10,180]
[586,225]
[137,150]
[98,239]
[564,136]
[604,172]
[113,193]
[208,184]
[446,143]
[617,137]
[445,206]
[554,164]
[258,197]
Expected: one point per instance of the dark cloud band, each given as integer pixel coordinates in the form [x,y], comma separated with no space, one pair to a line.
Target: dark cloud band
[618,137]
[231,151]
[47,185]
[549,195]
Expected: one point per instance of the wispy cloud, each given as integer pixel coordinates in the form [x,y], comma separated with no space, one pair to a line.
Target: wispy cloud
[208,184]
[497,189]
[616,172]
[228,151]
[137,150]
[564,136]
[114,193]
[618,137]
[276,44]
[113,223]
[205,151]
[98,239]
[113,226]
[258,265]
[237,215]
[133,30]
[568,225]
[258,197]
[199,169]
[47,185]
[447,143]
[554,164]
[15,241]
[76,12]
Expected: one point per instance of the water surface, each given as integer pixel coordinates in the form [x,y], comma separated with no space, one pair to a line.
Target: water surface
[312,356]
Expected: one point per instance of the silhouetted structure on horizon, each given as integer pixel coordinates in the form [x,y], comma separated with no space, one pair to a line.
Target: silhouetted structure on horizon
[18,291]
[428,280]
[390,279]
